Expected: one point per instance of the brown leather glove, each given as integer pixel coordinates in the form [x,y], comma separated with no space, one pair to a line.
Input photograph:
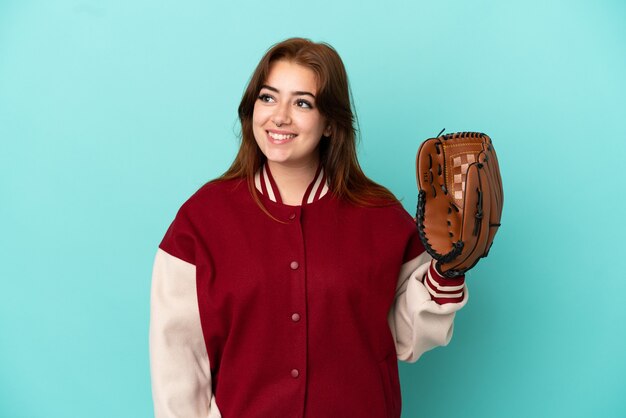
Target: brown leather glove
[460,199]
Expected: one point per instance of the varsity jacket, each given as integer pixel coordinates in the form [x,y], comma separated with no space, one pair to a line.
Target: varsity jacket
[304,315]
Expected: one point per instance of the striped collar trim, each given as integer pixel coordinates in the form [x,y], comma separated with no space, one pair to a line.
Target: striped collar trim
[266,185]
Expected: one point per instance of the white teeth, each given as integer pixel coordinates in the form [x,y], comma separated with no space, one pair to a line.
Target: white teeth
[280,137]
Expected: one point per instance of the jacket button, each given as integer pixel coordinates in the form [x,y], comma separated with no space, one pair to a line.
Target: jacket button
[295,373]
[295,317]
[292,216]
[294,265]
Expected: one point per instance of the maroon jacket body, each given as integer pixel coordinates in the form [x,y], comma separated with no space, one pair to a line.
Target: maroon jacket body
[294,310]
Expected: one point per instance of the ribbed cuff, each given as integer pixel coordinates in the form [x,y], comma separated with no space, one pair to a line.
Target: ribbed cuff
[442,289]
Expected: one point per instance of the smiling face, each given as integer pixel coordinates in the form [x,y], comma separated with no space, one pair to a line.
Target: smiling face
[286,123]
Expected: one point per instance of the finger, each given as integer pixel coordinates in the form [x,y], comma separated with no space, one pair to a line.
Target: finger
[491,187]
[496,171]
[435,213]
[476,230]
[495,184]
[471,199]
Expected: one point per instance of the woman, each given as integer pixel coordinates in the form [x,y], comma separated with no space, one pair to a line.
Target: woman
[292,284]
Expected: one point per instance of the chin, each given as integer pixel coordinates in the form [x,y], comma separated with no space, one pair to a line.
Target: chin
[277,157]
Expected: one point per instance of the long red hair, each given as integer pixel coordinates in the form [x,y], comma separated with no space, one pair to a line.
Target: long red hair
[337,152]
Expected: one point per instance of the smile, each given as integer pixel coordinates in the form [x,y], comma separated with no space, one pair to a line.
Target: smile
[280,137]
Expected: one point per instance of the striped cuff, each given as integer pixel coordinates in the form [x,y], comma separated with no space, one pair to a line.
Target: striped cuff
[443,290]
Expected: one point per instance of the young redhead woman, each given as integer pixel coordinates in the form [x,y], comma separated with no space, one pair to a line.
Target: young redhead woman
[291,285]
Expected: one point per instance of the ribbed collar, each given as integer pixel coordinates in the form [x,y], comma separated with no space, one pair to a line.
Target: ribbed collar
[266,185]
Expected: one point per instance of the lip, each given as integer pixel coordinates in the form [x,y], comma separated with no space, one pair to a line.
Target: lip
[279,132]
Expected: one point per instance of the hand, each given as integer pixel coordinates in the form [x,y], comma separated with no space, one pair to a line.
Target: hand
[460,199]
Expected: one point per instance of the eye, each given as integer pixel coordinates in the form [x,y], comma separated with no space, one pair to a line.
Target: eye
[304,104]
[264,97]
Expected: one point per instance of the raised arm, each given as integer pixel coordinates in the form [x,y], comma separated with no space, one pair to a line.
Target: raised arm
[422,315]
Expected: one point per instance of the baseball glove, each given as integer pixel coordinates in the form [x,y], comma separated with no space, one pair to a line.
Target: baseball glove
[460,199]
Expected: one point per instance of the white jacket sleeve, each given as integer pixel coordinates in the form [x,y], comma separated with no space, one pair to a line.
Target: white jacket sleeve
[422,315]
[179,364]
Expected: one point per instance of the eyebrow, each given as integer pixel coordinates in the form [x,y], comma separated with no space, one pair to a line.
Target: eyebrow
[295,93]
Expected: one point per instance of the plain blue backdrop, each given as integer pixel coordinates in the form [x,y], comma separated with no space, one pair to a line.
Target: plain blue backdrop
[113,113]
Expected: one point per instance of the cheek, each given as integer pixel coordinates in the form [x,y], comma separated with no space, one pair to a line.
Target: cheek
[316,126]
[255,125]
[259,115]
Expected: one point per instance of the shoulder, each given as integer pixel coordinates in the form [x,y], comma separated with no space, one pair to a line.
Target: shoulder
[389,226]
[197,213]
[390,220]
[211,196]
[390,214]
[394,220]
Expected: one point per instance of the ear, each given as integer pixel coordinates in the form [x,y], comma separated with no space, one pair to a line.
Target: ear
[328,131]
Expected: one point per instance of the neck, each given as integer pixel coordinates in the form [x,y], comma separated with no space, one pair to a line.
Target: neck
[293,180]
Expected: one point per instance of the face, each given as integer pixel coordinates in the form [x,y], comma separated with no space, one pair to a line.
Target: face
[286,123]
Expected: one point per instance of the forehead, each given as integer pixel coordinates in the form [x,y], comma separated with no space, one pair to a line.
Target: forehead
[290,76]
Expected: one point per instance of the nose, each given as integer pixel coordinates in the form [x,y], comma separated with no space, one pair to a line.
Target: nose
[281,114]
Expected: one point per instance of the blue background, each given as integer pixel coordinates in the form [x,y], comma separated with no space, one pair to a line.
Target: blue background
[113,113]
